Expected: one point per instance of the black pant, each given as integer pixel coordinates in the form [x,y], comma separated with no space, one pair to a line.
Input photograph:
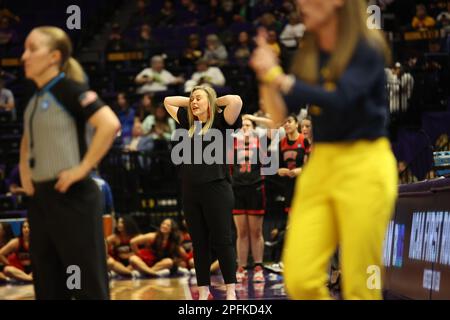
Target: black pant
[208,208]
[67,230]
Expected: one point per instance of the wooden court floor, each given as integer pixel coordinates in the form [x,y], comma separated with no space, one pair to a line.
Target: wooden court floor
[170,288]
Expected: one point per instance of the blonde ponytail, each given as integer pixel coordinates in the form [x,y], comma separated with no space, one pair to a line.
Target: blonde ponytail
[74,70]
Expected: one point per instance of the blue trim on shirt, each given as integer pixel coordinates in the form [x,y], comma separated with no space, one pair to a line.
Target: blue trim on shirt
[54,81]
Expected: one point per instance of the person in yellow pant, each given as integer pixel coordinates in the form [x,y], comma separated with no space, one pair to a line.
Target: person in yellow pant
[346,193]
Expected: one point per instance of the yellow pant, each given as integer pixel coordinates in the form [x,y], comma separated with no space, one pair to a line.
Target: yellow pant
[344,197]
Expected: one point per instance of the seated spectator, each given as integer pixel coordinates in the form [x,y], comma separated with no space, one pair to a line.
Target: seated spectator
[156,78]
[422,21]
[167,16]
[227,11]
[147,42]
[241,11]
[213,10]
[161,249]
[15,254]
[292,32]
[205,74]
[443,21]
[141,14]
[145,106]
[8,36]
[139,141]
[215,51]
[223,31]
[190,14]
[442,143]
[126,116]
[116,41]
[405,174]
[159,126]
[119,248]
[243,49]
[269,22]
[7,101]
[193,52]
[283,13]
[262,7]
[6,234]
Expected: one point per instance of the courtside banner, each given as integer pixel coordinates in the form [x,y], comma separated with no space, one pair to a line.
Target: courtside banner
[417,244]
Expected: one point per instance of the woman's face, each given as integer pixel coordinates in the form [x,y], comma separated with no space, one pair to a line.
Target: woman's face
[137,129]
[247,126]
[147,102]
[37,57]
[122,101]
[120,225]
[306,128]
[160,113]
[317,13]
[290,126]
[243,37]
[199,103]
[25,229]
[165,227]
[168,5]
[194,42]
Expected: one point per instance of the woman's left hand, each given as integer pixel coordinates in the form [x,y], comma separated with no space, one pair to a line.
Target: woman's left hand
[294,172]
[68,177]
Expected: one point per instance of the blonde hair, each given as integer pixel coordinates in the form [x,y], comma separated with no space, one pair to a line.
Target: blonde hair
[59,40]
[352,27]
[212,98]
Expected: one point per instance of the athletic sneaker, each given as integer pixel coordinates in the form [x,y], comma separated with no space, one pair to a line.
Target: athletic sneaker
[163,273]
[258,274]
[135,274]
[241,274]
[183,271]
[276,267]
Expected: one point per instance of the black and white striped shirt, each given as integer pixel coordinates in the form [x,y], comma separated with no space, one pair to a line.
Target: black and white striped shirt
[55,126]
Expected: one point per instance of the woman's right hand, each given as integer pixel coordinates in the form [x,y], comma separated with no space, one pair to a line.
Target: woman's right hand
[283,172]
[27,184]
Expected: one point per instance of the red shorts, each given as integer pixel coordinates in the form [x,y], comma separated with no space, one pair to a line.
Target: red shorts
[148,257]
[14,261]
[189,256]
[250,200]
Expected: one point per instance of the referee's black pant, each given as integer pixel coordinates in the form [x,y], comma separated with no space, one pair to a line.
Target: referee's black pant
[67,244]
[207,208]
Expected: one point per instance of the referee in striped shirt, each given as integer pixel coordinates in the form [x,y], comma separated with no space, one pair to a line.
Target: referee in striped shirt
[67,243]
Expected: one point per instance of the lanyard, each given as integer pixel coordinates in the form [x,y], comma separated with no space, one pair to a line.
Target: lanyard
[32,161]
